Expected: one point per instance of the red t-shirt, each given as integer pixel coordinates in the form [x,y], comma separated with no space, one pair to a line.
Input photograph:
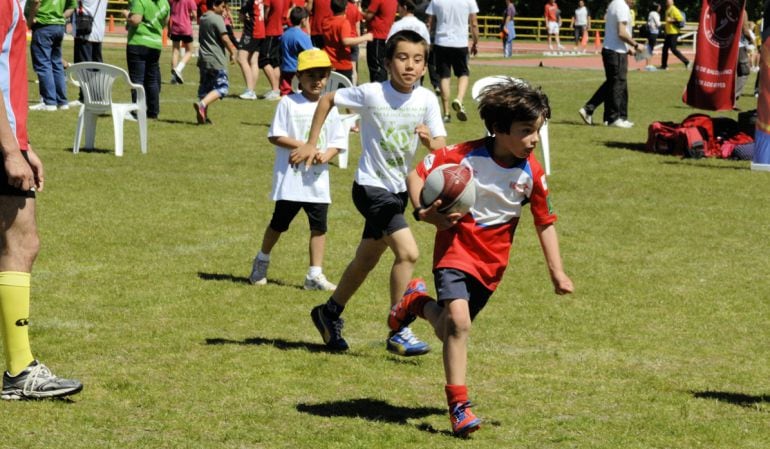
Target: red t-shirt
[384,16]
[551,12]
[336,28]
[275,15]
[480,243]
[13,82]
[354,16]
[258,16]
[322,9]
[289,5]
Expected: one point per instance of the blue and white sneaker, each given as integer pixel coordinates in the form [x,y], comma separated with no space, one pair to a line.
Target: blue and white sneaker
[403,342]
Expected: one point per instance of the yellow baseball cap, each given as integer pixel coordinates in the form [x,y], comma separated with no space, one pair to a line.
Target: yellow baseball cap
[313,59]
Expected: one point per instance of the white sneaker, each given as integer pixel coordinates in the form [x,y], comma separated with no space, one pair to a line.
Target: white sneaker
[43,107]
[248,95]
[75,103]
[272,95]
[587,118]
[319,283]
[620,123]
[63,107]
[258,274]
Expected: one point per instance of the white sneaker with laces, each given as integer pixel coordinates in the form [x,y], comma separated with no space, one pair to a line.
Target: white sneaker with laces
[43,107]
[319,283]
[37,382]
[258,274]
[248,95]
[620,123]
[272,95]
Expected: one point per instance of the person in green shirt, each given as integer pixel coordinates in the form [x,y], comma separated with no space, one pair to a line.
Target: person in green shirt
[145,22]
[47,19]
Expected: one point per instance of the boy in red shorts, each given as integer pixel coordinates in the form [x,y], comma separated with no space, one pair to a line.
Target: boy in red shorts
[471,252]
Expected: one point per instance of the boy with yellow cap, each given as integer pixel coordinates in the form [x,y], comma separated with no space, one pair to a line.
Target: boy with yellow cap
[302,186]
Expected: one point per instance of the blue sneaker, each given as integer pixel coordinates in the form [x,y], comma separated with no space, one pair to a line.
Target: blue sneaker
[331,330]
[403,342]
[463,420]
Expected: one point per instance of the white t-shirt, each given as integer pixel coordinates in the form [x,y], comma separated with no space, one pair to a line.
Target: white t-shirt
[618,11]
[388,137]
[451,19]
[581,16]
[653,22]
[98,10]
[410,23]
[293,117]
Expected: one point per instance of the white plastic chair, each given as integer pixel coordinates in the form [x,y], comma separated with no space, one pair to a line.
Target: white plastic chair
[95,80]
[337,81]
[478,88]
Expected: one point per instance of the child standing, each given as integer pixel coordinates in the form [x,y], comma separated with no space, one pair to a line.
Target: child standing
[471,252]
[302,186]
[339,37]
[183,13]
[395,116]
[294,41]
[212,62]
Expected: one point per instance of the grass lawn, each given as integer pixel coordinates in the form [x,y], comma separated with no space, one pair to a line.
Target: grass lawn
[141,292]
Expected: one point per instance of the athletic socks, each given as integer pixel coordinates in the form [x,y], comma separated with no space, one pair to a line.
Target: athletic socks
[14,315]
[455,394]
[263,257]
[313,272]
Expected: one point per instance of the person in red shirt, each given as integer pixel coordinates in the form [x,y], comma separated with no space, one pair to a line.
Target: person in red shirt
[21,176]
[380,16]
[355,16]
[471,252]
[339,38]
[320,10]
[270,50]
[252,17]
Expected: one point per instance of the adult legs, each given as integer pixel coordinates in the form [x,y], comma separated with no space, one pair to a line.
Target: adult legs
[375,57]
[664,55]
[616,81]
[41,52]
[57,68]
[677,53]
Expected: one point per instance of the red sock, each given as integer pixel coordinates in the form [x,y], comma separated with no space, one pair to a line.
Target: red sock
[455,394]
[418,306]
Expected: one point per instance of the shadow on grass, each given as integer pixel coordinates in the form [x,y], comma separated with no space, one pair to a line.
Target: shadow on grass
[242,279]
[739,399]
[633,146]
[278,343]
[373,410]
[192,122]
[91,150]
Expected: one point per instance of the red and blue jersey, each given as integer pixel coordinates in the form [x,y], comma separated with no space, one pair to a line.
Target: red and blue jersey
[13,83]
[480,243]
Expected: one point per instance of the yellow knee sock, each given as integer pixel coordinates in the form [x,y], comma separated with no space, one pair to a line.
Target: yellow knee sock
[14,316]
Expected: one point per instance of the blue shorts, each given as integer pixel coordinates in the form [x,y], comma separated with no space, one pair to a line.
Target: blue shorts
[213,79]
[454,284]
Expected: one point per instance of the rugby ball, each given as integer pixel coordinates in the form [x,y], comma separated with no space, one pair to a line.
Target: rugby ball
[453,185]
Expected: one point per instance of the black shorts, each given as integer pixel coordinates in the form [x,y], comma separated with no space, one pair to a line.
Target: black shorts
[285,211]
[451,59]
[454,284]
[9,190]
[180,38]
[383,211]
[249,44]
[579,29]
[270,52]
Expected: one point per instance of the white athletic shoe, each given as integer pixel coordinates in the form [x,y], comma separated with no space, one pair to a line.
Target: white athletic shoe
[43,107]
[248,95]
[319,283]
[587,118]
[620,123]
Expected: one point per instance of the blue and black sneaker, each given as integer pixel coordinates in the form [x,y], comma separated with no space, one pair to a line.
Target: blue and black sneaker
[403,342]
[330,330]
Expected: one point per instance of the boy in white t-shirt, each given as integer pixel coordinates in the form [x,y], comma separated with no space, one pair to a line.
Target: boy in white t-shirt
[396,115]
[302,186]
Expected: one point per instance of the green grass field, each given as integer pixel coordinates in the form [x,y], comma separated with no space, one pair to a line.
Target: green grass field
[141,292]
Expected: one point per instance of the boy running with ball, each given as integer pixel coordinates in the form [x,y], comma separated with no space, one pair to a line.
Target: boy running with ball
[396,115]
[471,252]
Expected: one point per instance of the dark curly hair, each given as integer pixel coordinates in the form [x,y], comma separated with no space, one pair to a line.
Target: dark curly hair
[511,100]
